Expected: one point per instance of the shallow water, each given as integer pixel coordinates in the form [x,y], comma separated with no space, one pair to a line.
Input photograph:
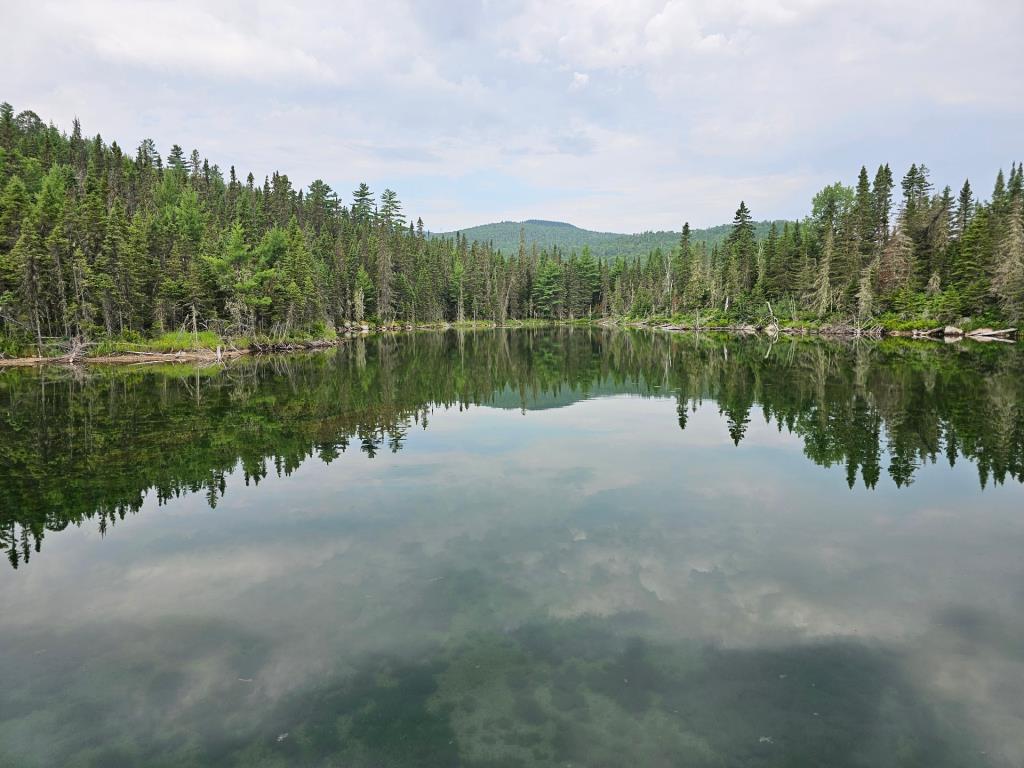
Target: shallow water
[518,548]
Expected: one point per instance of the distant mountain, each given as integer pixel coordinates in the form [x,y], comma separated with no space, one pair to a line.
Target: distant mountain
[604,245]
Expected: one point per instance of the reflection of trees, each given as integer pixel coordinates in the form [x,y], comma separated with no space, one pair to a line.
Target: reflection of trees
[76,448]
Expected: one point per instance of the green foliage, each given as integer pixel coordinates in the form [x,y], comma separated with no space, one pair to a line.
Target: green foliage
[96,244]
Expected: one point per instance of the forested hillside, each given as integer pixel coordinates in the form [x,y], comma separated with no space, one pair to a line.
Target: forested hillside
[97,243]
[505,236]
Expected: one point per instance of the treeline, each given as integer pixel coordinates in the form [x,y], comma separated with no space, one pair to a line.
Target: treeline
[861,257]
[604,246]
[79,449]
[99,243]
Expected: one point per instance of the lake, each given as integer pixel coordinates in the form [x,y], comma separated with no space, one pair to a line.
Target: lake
[553,547]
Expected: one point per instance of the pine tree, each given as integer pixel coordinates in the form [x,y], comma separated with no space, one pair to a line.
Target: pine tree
[391,209]
[176,160]
[362,204]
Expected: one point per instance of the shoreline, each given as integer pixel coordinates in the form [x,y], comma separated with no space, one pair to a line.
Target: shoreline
[227,351]
[219,354]
[947,334]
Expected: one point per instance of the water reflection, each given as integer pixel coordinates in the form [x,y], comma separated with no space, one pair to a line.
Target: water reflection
[76,447]
[584,584]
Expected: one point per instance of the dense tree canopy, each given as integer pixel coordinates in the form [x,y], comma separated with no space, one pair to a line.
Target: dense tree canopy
[97,243]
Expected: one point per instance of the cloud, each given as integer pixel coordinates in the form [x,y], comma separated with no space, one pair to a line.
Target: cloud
[182,37]
[579,80]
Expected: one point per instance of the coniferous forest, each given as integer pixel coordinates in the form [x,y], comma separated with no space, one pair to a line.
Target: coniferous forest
[98,243]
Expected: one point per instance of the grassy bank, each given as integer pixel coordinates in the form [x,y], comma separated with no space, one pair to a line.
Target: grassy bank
[208,346]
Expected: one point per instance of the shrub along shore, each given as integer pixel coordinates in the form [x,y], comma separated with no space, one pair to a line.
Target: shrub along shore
[208,347]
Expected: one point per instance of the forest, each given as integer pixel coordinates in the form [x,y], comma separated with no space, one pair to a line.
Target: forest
[505,236]
[98,244]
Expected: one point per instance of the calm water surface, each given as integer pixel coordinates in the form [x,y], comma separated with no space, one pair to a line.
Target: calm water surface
[518,548]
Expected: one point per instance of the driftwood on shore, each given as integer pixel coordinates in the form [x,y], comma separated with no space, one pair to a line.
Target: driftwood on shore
[182,356]
[947,333]
[989,333]
[775,330]
[130,356]
[290,346]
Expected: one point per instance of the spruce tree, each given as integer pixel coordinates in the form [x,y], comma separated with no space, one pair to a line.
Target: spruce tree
[8,131]
[881,195]
[14,202]
[964,210]
[865,217]
[742,249]
[385,279]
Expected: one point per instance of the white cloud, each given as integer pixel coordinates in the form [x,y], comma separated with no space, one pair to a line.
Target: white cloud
[176,37]
[579,80]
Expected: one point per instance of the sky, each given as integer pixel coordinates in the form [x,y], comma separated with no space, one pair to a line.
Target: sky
[615,116]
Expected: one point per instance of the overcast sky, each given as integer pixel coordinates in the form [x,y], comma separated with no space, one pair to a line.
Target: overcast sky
[615,115]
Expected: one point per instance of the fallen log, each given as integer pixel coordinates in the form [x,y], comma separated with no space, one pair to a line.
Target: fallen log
[990,333]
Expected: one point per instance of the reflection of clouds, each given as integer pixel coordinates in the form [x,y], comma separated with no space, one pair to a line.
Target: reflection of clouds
[975,657]
[566,514]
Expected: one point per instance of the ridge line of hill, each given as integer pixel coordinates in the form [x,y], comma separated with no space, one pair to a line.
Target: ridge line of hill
[567,237]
